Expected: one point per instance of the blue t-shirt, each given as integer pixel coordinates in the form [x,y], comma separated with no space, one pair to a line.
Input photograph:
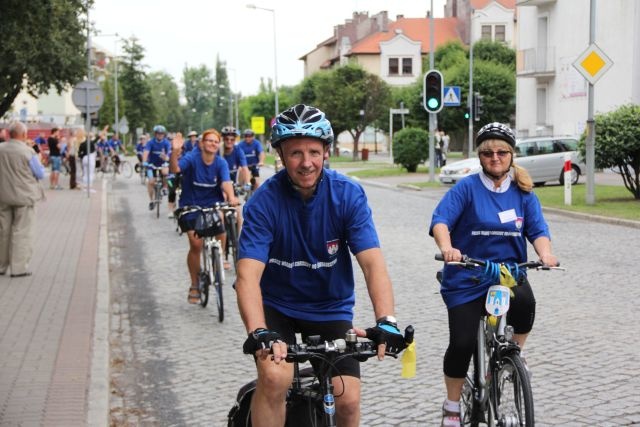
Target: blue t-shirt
[202,183]
[115,145]
[139,148]
[305,245]
[156,149]
[485,225]
[103,146]
[235,160]
[251,151]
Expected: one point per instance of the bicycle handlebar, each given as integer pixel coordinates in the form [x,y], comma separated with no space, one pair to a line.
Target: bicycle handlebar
[195,208]
[339,348]
[468,262]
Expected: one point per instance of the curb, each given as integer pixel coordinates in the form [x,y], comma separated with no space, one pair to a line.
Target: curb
[98,405]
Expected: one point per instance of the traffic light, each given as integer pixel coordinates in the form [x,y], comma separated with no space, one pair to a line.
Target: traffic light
[433,91]
[477,106]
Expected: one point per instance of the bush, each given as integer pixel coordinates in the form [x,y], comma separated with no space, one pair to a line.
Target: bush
[410,148]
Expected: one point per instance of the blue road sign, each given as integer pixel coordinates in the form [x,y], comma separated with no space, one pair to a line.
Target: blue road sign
[451,96]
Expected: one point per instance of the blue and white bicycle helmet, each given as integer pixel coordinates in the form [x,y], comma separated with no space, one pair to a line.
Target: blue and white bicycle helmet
[301,121]
[159,129]
[496,130]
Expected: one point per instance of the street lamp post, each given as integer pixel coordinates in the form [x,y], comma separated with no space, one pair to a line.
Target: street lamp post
[115,78]
[235,96]
[275,56]
[470,94]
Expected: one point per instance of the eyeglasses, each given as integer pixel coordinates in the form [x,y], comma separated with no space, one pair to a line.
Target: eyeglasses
[210,140]
[489,154]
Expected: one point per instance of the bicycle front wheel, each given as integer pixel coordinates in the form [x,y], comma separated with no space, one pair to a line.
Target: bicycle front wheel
[512,398]
[217,282]
[158,200]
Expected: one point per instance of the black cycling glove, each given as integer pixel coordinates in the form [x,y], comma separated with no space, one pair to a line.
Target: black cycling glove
[389,334]
[260,339]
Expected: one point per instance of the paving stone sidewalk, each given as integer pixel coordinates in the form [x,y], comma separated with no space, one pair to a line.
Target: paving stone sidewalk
[49,341]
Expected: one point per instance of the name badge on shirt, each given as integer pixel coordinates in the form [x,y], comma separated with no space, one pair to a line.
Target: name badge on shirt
[507,216]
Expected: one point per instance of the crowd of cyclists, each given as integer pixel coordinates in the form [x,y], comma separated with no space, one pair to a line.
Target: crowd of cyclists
[294,271]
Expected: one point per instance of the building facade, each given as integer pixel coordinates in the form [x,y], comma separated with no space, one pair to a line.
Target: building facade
[551,94]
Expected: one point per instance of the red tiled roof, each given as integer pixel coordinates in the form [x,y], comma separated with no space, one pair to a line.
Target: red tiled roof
[481,4]
[416,29]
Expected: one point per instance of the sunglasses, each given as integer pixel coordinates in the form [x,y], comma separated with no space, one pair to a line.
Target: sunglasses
[489,154]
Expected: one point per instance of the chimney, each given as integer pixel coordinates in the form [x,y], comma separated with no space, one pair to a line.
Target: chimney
[398,17]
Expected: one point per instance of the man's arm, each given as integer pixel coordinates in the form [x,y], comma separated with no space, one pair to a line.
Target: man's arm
[261,158]
[249,294]
[176,146]
[227,189]
[378,281]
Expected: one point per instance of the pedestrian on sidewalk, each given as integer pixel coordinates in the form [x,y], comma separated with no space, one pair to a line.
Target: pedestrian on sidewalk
[20,170]
[77,137]
[55,159]
[88,161]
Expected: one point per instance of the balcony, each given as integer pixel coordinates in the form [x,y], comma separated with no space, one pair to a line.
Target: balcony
[536,62]
[533,2]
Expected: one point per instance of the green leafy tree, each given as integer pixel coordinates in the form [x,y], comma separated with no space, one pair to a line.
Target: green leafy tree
[138,102]
[617,145]
[199,89]
[410,148]
[352,98]
[165,95]
[222,100]
[485,50]
[106,114]
[42,45]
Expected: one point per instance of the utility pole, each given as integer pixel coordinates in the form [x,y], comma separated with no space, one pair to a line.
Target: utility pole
[433,118]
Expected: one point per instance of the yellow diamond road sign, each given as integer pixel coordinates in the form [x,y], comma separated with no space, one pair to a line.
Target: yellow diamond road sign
[593,63]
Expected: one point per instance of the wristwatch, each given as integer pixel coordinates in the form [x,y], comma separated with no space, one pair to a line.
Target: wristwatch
[388,320]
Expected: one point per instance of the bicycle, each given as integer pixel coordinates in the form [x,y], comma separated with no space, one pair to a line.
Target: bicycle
[310,399]
[141,172]
[231,226]
[122,167]
[211,265]
[498,392]
[155,171]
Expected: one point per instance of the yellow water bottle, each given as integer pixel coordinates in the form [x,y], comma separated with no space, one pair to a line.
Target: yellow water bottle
[409,361]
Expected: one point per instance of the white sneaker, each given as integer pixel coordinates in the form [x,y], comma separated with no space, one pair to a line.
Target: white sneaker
[170,215]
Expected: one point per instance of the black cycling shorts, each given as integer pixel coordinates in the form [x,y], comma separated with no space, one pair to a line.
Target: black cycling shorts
[255,171]
[287,327]
[188,223]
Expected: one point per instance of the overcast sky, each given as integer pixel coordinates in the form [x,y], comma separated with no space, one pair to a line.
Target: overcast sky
[183,33]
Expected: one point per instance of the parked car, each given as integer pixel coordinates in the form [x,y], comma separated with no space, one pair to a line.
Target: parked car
[543,157]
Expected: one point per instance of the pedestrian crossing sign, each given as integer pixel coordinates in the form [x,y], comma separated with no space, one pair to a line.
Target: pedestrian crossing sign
[451,96]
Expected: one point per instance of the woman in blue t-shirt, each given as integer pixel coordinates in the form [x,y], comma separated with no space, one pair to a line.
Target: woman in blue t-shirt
[489,215]
[205,181]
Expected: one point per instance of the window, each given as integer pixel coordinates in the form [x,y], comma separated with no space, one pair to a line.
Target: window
[407,66]
[393,66]
[486,32]
[395,63]
[499,33]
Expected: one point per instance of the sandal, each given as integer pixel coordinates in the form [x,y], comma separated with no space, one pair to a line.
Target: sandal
[194,295]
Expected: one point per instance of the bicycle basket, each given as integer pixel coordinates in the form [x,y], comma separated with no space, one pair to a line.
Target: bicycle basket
[208,224]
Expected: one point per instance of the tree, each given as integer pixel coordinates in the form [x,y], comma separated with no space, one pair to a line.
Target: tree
[352,98]
[106,114]
[410,148]
[222,101]
[138,102]
[199,89]
[497,52]
[617,144]
[43,45]
[165,95]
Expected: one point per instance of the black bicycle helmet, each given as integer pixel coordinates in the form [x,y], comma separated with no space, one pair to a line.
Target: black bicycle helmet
[496,130]
[228,130]
[301,121]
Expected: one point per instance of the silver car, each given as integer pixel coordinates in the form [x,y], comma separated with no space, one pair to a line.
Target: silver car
[543,157]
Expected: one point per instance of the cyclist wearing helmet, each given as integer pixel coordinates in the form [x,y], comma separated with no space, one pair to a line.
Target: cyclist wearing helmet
[205,181]
[156,153]
[489,215]
[235,158]
[255,155]
[294,269]
[174,180]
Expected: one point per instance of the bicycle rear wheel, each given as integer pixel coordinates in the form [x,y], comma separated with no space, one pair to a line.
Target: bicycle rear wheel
[205,283]
[217,282]
[511,396]
[232,238]
[125,169]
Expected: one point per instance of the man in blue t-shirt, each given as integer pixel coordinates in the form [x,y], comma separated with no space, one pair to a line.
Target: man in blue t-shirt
[205,181]
[235,157]
[294,269]
[156,154]
[255,155]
